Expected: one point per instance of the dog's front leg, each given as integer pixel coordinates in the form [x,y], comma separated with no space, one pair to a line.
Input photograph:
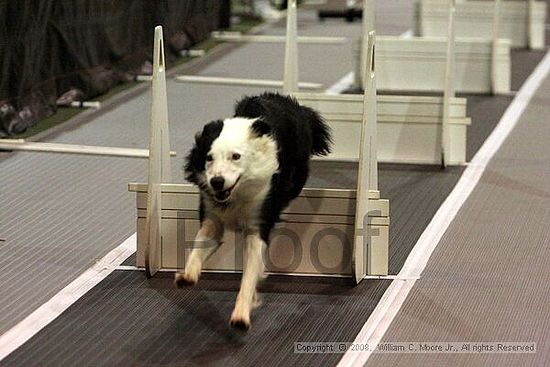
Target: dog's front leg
[253,271]
[207,241]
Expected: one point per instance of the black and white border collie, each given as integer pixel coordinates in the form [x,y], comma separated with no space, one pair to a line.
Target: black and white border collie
[248,168]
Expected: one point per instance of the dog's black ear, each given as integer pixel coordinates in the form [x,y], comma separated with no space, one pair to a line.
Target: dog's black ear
[196,159]
[260,127]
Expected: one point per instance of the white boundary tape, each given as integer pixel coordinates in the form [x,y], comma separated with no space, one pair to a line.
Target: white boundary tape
[394,297]
[341,85]
[49,311]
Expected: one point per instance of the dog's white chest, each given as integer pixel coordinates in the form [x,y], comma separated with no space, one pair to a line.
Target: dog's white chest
[239,217]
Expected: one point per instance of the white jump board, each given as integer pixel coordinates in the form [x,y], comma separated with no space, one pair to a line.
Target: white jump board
[418,64]
[475,19]
[408,127]
[315,237]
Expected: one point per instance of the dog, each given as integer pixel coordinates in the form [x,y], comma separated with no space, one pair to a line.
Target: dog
[248,168]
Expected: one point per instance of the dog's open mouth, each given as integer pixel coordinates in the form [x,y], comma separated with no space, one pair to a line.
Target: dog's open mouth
[223,195]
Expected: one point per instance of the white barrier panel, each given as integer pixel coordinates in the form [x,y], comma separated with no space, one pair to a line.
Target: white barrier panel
[418,64]
[409,127]
[523,22]
[316,237]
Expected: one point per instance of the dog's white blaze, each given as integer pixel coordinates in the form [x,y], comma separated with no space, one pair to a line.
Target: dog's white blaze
[257,162]
[233,139]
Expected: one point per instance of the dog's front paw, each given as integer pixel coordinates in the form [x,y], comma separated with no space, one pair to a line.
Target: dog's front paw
[240,318]
[240,323]
[185,279]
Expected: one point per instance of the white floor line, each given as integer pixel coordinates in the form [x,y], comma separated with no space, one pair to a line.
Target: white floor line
[341,85]
[49,311]
[394,297]
[407,34]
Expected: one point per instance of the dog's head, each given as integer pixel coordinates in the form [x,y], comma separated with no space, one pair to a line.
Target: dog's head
[230,154]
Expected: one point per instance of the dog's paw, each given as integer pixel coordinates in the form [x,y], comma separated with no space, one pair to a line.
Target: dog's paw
[240,318]
[185,280]
[240,323]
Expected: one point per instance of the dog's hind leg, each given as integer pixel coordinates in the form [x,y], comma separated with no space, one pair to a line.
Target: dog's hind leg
[253,271]
[207,241]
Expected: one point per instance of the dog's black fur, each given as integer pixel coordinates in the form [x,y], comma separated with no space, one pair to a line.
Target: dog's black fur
[299,133]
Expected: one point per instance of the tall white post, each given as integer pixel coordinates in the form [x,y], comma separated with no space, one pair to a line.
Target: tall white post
[159,158]
[449,91]
[290,77]
[496,32]
[366,258]
[530,24]
[368,26]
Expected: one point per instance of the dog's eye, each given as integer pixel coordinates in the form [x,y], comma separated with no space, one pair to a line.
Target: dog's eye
[209,158]
[236,156]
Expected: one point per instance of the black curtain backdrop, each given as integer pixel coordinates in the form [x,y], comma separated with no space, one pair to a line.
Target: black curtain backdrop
[48,47]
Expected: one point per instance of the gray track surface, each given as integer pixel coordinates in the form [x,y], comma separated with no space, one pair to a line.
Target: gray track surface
[488,278]
[128,320]
[150,322]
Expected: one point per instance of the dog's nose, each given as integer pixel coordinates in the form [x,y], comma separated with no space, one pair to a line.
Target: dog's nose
[217,183]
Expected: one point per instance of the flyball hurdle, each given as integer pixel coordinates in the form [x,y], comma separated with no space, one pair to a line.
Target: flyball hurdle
[326,232]
[418,64]
[411,129]
[482,65]
[523,22]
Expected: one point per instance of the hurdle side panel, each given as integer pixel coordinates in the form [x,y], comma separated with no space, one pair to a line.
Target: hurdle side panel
[475,18]
[418,64]
[409,127]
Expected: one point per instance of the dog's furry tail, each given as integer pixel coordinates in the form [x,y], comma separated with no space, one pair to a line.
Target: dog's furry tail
[256,107]
[320,133]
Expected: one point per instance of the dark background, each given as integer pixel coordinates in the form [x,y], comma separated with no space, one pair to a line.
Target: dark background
[49,47]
